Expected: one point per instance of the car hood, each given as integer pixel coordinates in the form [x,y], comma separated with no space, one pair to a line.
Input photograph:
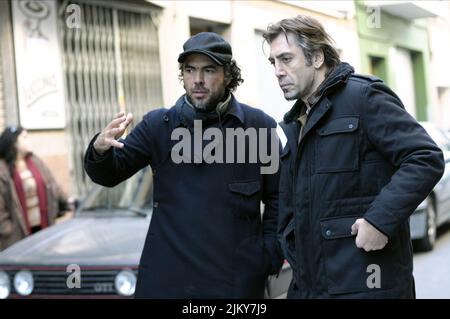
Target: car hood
[82,241]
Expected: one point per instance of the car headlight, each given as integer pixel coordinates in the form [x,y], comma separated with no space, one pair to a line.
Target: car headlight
[125,283]
[5,286]
[23,283]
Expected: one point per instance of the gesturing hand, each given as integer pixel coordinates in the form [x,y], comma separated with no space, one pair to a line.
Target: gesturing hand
[368,237]
[112,132]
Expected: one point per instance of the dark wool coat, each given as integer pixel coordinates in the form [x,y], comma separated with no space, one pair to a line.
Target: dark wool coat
[206,237]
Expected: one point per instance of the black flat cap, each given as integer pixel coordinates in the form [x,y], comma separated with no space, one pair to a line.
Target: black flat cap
[210,44]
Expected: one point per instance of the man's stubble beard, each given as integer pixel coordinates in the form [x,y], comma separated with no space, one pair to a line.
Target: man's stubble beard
[209,105]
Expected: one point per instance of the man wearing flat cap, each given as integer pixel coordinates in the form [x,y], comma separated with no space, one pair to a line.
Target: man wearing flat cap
[207,237]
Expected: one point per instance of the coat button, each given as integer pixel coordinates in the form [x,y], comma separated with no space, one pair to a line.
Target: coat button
[155,204]
[328,232]
[166,118]
[350,126]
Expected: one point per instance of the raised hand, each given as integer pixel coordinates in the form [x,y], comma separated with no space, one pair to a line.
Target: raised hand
[112,132]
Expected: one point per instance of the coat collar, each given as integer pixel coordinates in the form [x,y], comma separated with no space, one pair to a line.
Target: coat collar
[335,79]
[234,109]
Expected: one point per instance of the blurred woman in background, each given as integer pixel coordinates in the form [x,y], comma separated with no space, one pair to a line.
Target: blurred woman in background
[30,198]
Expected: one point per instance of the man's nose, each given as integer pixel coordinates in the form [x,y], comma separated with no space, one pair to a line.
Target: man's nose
[199,78]
[279,70]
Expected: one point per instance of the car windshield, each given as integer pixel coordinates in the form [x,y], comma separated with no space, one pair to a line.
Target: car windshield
[135,195]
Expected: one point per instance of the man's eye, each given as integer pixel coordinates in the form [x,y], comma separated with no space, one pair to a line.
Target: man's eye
[188,70]
[210,70]
[286,60]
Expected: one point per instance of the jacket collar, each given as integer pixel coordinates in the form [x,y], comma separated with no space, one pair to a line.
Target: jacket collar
[234,109]
[334,80]
[220,108]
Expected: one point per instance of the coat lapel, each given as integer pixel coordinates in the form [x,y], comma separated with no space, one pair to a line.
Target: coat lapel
[316,115]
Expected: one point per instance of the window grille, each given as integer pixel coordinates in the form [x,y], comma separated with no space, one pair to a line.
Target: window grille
[111,63]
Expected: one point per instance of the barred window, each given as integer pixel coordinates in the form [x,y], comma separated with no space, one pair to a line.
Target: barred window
[111,63]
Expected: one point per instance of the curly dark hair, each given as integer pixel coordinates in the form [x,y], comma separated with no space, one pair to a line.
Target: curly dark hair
[8,144]
[231,70]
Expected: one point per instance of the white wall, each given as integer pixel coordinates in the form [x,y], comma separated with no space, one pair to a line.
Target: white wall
[439,31]
[404,80]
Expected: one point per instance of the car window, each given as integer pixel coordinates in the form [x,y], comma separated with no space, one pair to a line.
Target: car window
[442,140]
[439,136]
[134,194]
[447,136]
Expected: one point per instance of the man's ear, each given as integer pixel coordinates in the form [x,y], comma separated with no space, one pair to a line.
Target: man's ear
[318,59]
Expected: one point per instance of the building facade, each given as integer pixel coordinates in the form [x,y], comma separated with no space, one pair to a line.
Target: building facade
[402,42]
[99,57]
[68,67]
